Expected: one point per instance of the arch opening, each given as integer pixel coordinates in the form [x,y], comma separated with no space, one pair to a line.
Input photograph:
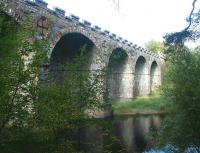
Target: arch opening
[154,76]
[69,46]
[67,49]
[141,80]
[117,77]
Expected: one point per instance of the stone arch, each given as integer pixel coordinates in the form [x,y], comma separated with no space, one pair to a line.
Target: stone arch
[57,32]
[141,77]
[68,48]
[118,79]
[154,76]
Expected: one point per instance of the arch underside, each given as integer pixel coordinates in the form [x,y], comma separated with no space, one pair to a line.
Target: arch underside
[123,83]
[155,80]
[141,77]
[69,46]
[124,80]
[119,76]
[68,49]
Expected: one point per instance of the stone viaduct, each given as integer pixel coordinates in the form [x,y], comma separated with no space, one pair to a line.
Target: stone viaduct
[135,72]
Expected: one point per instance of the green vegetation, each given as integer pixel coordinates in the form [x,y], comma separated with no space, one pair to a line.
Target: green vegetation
[40,114]
[17,74]
[153,103]
[182,87]
[155,46]
[47,118]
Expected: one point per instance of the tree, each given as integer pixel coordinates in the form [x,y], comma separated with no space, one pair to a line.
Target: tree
[64,105]
[17,76]
[155,46]
[46,116]
[20,57]
[191,32]
[181,87]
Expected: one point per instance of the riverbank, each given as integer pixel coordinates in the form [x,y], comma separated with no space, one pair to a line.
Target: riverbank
[151,104]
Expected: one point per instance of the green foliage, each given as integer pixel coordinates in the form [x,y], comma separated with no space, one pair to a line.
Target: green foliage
[46,116]
[155,46]
[20,57]
[182,87]
[17,75]
[2,5]
[144,104]
[64,104]
[102,136]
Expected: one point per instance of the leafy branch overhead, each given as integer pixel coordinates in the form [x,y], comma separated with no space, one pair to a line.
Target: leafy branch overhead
[181,87]
[191,32]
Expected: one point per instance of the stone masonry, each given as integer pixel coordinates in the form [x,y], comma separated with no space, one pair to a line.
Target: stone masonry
[137,73]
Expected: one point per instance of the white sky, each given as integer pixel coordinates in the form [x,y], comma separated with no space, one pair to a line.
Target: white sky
[138,21]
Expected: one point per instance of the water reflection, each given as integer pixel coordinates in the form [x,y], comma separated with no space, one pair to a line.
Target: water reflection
[133,133]
[125,129]
[93,139]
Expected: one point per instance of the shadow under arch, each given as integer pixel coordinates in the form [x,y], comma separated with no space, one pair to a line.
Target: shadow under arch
[154,76]
[84,88]
[141,77]
[67,49]
[116,75]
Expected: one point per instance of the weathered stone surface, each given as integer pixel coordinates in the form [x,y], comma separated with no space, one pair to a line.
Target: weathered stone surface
[137,74]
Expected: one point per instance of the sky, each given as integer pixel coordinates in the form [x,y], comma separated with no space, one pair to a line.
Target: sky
[138,21]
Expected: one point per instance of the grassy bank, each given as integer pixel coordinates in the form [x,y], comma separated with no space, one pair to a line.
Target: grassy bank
[151,104]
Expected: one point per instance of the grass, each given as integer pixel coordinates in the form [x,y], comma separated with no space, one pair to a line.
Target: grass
[153,103]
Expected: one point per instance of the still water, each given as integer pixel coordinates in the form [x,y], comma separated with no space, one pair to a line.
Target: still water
[125,134]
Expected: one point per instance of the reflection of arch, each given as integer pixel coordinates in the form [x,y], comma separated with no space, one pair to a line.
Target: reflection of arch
[154,76]
[141,77]
[116,74]
[68,47]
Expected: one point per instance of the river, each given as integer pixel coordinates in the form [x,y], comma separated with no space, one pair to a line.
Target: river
[123,134]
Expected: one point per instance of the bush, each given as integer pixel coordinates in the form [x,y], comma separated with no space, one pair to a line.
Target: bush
[182,88]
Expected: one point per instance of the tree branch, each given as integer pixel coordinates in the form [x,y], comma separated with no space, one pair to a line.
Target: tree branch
[190,16]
